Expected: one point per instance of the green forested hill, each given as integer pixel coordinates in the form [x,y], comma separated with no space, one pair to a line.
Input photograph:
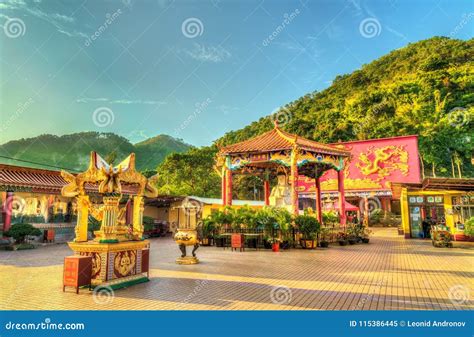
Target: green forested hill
[412,90]
[72,151]
[425,88]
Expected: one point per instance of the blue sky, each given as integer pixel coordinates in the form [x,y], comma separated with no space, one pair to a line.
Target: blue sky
[191,69]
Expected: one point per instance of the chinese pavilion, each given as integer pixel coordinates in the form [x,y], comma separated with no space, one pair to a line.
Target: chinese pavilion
[279,152]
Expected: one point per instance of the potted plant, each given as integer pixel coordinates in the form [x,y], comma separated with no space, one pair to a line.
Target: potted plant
[284,220]
[342,238]
[365,235]
[219,240]
[309,228]
[265,218]
[354,234]
[324,234]
[275,244]
[267,242]
[208,229]
[20,232]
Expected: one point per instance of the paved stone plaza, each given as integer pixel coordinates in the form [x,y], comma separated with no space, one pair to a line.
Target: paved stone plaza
[390,273]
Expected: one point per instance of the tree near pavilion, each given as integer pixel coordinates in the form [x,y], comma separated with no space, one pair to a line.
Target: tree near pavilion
[189,173]
[20,231]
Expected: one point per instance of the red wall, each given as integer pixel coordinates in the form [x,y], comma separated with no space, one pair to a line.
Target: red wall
[374,164]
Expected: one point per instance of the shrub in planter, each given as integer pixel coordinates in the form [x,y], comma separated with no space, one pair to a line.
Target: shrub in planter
[469,227]
[342,238]
[324,233]
[309,228]
[267,243]
[208,229]
[324,244]
[251,242]
[220,241]
[20,231]
[286,244]
[275,244]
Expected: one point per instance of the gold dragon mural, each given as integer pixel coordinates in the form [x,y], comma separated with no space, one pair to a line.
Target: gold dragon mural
[381,161]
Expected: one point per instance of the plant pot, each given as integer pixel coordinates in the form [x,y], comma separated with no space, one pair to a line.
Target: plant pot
[267,245]
[285,245]
[365,240]
[252,243]
[324,244]
[342,242]
[352,241]
[220,242]
[276,247]
[308,244]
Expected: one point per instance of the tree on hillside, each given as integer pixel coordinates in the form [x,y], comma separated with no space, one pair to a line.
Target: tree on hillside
[189,173]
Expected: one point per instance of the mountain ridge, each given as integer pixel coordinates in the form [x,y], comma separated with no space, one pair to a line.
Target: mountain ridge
[71,151]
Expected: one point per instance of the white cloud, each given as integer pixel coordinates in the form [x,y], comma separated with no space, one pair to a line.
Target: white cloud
[118,101]
[208,53]
[61,22]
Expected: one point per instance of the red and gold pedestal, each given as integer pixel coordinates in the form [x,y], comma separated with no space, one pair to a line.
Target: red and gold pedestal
[116,265]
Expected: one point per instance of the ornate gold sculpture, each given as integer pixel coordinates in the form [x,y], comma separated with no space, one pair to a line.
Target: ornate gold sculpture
[117,247]
[110,214]
[188,234]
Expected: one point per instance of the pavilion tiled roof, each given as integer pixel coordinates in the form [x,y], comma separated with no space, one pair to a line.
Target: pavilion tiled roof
[43,180]
[277,140]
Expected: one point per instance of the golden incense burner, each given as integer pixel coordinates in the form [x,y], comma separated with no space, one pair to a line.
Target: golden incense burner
[119,253]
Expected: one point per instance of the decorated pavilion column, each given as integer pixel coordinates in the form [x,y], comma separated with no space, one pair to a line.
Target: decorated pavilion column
[228,183]
[266,189]
[223,186]
[319,208]
[8,209]
[342,197]
[294,181]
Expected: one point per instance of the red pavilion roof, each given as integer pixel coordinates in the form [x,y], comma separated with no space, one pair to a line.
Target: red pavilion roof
[277,140]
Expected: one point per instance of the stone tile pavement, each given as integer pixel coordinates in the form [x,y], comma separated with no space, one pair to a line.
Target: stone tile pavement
[390,273]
